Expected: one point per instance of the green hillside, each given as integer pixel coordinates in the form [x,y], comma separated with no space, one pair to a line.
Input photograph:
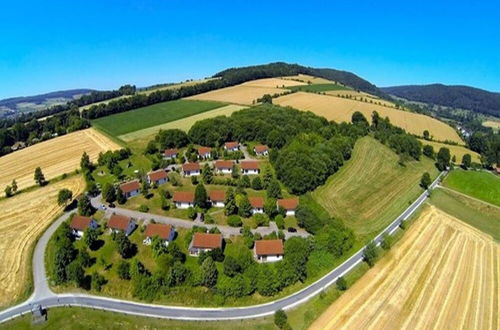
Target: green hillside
[481,185]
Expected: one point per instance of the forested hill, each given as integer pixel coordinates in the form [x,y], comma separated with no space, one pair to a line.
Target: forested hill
[284,69]
[462,97]
[62,96]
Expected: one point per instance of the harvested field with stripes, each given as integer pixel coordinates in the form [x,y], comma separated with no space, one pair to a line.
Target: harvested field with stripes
[340,109]
[443,274]
[239,94]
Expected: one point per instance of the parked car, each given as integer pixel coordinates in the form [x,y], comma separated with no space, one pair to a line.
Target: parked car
[292,230]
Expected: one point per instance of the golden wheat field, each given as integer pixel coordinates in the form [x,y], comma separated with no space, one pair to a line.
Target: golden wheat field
[493,124]
[457,151]
[55,157]
[339,109]
[444,274]
[239,94]
[23,218]
[308,79]
[273,82]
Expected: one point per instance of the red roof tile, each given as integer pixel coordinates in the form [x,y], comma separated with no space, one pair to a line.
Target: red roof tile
[269,247]
[250,165]
[118,222]
[207,241]
[217,195]
[184,196]
[80,222]
[171,152]
[189,167]
[260,148]
[256,202]
[130,186]
[158,229]
[231,145]
[222,164]
[158,175]
[288,203]
[204,150]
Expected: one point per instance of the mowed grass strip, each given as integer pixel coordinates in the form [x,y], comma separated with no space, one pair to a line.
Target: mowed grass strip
[477,214]
[457,151]
[156,114]
[372,189]
[319,88]
[481,185]
[341,109]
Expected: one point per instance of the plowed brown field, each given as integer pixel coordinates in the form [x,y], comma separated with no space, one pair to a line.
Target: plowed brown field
[444,274]
[55,157]
[23,218]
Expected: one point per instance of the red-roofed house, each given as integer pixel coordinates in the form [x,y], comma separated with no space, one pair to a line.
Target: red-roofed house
[202,242]
[80,223]
[224,166]
[183,199]
[122,223]
[191,169]
[289,204]
[231,146]
[250,167]
[170,153]
[158,177]
[163,231]
[269,250]
[217,198]
[261,150]
[131,188]
[204,152]
[257,204]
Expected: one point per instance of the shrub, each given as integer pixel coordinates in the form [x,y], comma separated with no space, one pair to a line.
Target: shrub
[386,241]
[143,208]
[123,270]
[370,253]
[341,284]
[280,221]
[234,221]
[191,213]
[280,318]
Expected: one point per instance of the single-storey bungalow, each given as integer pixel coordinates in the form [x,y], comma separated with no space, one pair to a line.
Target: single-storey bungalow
[170,153]
[269,250]
[250,167]
[158,177]
[131,188]
[261,150]
[122,223]
[163,231]
[191,169]
[202,242]
[224,166]
[217,198]
[289,204]
[231,146]
[80,223]
[204,152]
[257,204]
[183,199]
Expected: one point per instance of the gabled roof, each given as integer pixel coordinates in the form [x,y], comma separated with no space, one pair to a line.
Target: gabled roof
[188,167]
[256,202]
[250,165]
[184,196]
[158,175]
[204,150]
[130,186]
[207,241]
[288,203]
[221,164]
[217,195]
[80,222]
[260,148]
[158,229]
[269,247]
[231,145]
[118,221]
[171,152]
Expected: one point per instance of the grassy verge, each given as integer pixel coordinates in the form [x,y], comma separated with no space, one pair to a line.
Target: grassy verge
[478,184]
[480,215]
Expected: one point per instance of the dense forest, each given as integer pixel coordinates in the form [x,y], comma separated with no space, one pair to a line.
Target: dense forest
[460,97]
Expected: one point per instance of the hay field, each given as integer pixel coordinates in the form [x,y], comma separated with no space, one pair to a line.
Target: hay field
[372,189]
[273,82]
[239,94]
[23,218]
[457,151]
[339,109]
[306,79]
[493,124]
[444,274]
[55,157]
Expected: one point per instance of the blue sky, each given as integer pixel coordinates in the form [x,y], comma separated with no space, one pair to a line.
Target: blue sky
[54,45]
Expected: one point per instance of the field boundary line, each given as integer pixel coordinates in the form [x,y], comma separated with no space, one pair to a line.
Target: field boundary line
[467,196]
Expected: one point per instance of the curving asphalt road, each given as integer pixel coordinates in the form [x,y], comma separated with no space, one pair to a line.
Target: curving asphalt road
[45,297]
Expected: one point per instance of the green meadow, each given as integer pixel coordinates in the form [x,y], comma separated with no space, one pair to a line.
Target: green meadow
[481,185]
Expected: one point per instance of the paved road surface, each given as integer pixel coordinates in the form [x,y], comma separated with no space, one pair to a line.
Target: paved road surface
[46,298]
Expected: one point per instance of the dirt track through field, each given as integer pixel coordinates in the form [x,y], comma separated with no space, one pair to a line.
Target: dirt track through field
[443,274]
[55,157]
[23,218]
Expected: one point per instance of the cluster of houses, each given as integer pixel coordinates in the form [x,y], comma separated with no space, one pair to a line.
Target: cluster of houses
[133,188]
[264,250]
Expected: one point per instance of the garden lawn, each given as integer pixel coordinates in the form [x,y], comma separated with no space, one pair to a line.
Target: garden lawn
[372,189]
[130,121]
[318,88]
[477,214]
[481,185]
